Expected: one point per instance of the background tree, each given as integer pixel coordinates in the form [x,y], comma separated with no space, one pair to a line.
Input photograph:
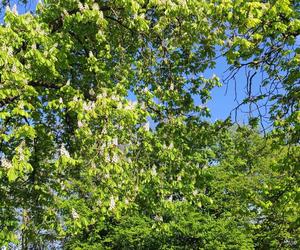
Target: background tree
[80,163]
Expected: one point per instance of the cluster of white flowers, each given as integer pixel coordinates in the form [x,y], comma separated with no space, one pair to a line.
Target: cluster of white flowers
[107,158]
[119,105]
[99,203]
[153,170]
[131,105]
[10,51]
[95,6]
[195,192]
[126,201]
[179,178]
[145,90]
[64,151]
[104,131]
[102,95]
[75,215]
[33,46]
[171,87]
[20,151]
[6,163]
[92,92]
[88,106]
[147,126]
[14,68]
[79,124]
[93,165]
[62,185]
[112,203]
[115,141]
[115,98]
[102,147]
[15,9]
[82,7]
[115,158]
[158,218]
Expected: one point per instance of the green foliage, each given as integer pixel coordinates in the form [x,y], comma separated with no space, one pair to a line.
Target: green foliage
[84,167]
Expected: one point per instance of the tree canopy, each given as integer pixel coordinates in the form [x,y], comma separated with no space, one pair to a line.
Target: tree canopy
[103,142]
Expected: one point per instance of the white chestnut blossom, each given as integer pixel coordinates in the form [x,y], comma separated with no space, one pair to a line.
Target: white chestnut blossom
[112,203]
[93,165]
[95,6]
[75,215]
[99,202]
[131,105]
[15,10]
[153,170]
[115,98]
[158,218]
[119,105]
[146,126]
[10,51]
[80,6]
[14,68]
[92,92]
[107,158]
[170,198]
[6,163]
[115,158]
[171,87]
[80,124]
[115,141]
[64,151]
[88,106]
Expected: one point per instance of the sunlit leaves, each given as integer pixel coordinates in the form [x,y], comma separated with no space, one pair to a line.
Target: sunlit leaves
[83,165]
